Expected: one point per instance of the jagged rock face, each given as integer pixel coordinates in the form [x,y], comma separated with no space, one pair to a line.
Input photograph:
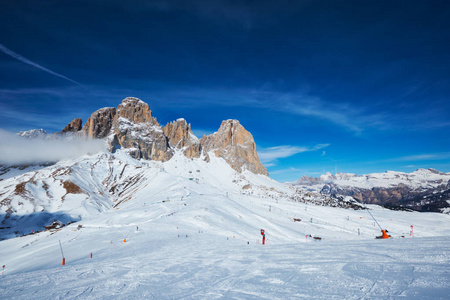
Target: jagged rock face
[180,136]
[133,127]
[99,124]
[178,133]
[136,111]
[136,129]
[73,126]
[236,145]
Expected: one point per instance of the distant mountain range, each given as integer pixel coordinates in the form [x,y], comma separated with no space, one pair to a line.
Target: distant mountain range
[425,190]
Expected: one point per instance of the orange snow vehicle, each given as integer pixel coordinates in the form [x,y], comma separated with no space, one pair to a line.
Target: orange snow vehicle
[384,235]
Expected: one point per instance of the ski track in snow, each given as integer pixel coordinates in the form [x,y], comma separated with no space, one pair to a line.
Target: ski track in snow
[200,266]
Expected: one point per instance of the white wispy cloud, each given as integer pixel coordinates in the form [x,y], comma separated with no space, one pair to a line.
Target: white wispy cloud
[351,117]
[16,150]
[268,155]
[421,157]
[411,166]
[357,118]
[36,65]
[268,165]
[288,170]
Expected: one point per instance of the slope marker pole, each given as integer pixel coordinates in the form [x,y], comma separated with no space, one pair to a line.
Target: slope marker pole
[63,259]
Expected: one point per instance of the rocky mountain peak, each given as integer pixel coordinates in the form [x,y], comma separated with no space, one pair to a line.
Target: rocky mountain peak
[236,145]
[136,111]
[179,133]
[99,124]
[180,136]
[73,126]
[132,126]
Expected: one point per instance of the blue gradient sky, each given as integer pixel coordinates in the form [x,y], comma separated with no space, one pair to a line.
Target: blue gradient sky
[323,86]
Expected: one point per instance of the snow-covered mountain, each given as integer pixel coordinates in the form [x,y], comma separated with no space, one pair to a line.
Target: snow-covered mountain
[132,126]
[33,134]
[68,191]
[166,215]
[188,228]
[34,196]
[422,190]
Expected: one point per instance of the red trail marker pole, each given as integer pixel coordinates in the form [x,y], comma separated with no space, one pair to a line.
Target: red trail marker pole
[91,254]
[3,272]
[62,254]
[412,231]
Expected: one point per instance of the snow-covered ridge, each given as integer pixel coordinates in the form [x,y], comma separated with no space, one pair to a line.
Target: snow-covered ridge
[72,190]
[421,190]
[33,134]
[420,178]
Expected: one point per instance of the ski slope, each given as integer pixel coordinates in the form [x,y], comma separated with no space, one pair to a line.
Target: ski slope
[187,229]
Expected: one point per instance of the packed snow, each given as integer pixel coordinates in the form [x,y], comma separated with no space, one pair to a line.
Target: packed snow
[187,229]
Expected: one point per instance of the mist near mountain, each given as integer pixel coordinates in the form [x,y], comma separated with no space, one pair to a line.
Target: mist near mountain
[17,150]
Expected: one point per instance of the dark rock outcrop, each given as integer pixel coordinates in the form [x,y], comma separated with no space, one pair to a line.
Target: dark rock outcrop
[73,126]
[180,136]
[135,128]
[99,124]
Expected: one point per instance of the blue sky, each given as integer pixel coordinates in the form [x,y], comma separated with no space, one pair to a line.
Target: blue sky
[323,86]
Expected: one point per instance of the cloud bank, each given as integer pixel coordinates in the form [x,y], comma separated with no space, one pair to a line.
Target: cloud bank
[16,150]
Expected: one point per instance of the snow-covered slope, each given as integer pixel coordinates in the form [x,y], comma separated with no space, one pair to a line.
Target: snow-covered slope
[74,189]
[190,229]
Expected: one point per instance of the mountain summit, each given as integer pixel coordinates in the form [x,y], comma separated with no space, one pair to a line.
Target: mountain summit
[133,127]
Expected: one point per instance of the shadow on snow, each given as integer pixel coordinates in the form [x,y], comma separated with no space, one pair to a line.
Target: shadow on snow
[12,225]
